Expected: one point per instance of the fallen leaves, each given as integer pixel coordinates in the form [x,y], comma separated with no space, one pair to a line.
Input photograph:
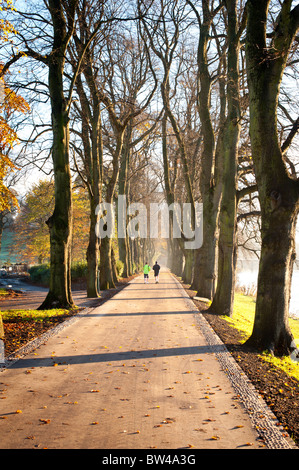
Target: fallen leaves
[44,421]
[20,326]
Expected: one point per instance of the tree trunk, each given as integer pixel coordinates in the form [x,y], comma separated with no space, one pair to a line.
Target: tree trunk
[205,257]
[177,260]
[95,181]
[123,242]
[113,265]
[60,223]
[271,326]
[278,192]
[106,274]
[188,268]
[92,255]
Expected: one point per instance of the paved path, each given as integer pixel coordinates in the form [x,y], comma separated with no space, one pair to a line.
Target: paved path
[141,371]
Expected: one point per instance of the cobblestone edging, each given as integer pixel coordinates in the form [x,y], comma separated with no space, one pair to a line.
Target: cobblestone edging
[262,418]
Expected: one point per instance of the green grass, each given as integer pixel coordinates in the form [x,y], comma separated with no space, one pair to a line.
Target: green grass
[35,315]
[3,293]
[243,319]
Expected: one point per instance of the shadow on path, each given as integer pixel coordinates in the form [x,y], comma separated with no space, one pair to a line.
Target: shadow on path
[119,356]
[134,314]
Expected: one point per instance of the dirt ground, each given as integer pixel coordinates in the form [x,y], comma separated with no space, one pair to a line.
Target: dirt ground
[280,392]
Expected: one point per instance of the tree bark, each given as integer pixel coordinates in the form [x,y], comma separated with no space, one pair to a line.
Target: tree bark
[278,192]
[106,273]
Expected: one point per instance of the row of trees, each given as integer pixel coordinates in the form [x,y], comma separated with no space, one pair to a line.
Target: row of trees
[201,84]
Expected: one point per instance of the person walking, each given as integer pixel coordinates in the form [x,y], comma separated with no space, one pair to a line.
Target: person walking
[146,271]
[156,269]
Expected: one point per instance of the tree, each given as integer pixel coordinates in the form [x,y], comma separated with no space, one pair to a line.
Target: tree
[227,246]
[60,222]
[266,57]
[210,180]
[91,137]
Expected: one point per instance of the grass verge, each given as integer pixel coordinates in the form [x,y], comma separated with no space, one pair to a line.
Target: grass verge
[33,315]
[243,319]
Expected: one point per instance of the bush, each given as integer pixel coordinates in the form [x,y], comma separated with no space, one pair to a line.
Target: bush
[40,274]
[79,270]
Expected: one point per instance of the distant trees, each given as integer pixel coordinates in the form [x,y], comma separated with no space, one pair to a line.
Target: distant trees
[31,234]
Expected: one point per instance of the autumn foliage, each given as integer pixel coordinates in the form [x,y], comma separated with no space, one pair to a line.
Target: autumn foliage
[10,104]
[31,232]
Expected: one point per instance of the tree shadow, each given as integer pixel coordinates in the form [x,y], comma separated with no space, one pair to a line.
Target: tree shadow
[117,356]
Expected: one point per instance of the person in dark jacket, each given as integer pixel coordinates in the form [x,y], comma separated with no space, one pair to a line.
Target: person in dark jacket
[156,269]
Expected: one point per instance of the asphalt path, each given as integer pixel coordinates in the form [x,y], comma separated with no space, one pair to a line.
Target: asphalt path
[141,371]
[33,296]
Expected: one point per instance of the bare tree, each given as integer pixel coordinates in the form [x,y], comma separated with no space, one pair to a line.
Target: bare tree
[210,179]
